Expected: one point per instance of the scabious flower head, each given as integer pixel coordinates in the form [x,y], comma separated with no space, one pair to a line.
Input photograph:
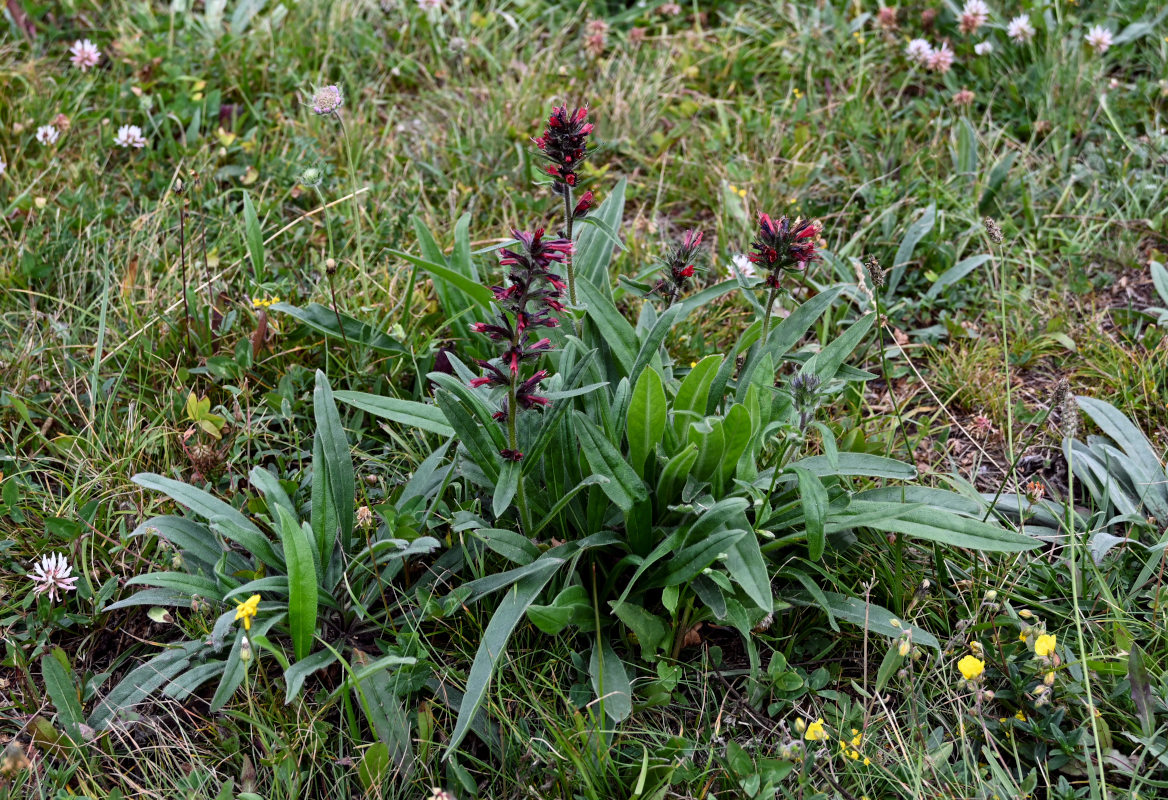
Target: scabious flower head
[783,245]
[971,667]
[1044,645]
[47,135]
[327,99]
[130,136]
[974,14]
[85,54]
[565,143]
[941,59]
[983,48]
[1099,39]
[51,575]
[918,51]
[1020,29]
[246,610]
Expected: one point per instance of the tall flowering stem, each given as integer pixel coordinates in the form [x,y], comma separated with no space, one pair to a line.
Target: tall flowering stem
[679,267]
[565,144]
[782,246]
[525,306]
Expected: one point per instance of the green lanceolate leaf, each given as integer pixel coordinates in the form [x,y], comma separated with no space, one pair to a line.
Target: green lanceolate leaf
[651,343]
[61,685]
[813,497]
[674,474]
[646,419]
[337,459]
[691,560]
[494,642]
[594,245]
[615,331]
[624,487]
[690,403]
[710,438]
[296,673]
[506,487]
[324,320]
[302,582]
[826,363]
[610,681]
[912,237]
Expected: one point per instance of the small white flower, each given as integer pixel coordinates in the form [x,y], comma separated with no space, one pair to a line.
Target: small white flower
[429,5]
[458,44]
[983,48]
[1020,29]
[742,266]
[3,166]
[130,136]
[1099,39]
[918,51]
[941,59]
[52,574]
[85,54]
[974,14]
[47,135]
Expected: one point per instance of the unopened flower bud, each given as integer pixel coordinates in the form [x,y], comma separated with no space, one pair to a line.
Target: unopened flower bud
[245,651]
[176,563]
[1048,679]
[991,595]
[1026,614]
[904,648]
[330,266]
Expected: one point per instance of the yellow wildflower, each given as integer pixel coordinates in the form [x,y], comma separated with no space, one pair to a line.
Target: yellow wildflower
[1020,717]
[1044,645]
[261,302]
[971,667]
[247,609]
[816,731]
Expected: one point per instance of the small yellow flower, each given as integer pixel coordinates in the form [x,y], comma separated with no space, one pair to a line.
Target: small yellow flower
[971,667]
[816,732]
[798,94]
[247,609]
[261,302]
[1020,717]
[1044,645]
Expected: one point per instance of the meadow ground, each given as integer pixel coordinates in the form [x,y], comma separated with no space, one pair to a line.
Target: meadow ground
[189,240]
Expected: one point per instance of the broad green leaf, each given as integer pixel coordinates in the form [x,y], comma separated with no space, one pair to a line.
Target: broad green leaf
[652,634]
[827,362]
[912,237]
[388,719]
[443,274]
[615,331]
[957,531]
[691,560]
[179,582]
[956,272]
[199,546]
[624,487]
[813,497]
[736,428]
[674,474]
[337,459]
[302,582]
[494,642]
[505,487]
[324,320]
[238,528]
[593,245]
[610,681]
[651,344]
[690,403]
[572,606]
[870,616]
[646,418]
[710,439]
[858,465]
[62,685]
[515,547]
[142,681]
[296,673]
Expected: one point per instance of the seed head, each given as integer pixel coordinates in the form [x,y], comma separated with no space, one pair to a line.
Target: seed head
[875,271]
[992,230]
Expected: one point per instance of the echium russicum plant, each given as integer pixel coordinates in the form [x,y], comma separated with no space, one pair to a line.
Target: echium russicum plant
[525,306]
[782,246]
[565,144]
[679,266]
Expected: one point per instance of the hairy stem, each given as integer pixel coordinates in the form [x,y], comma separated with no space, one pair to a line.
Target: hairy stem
[766,315]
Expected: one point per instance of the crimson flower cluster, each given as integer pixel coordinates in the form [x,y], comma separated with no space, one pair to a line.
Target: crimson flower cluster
[525,306]
[565,144]
[679,265]
[784,245]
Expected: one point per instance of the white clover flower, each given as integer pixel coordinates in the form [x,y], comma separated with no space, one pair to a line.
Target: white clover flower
[429,5]
[1020,29]
[742,265]
[47,135]
[918,51]
[941,59]
[1099,39]
[52,575]
[974,14]
[85,54]
[130,136]
[983,48]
